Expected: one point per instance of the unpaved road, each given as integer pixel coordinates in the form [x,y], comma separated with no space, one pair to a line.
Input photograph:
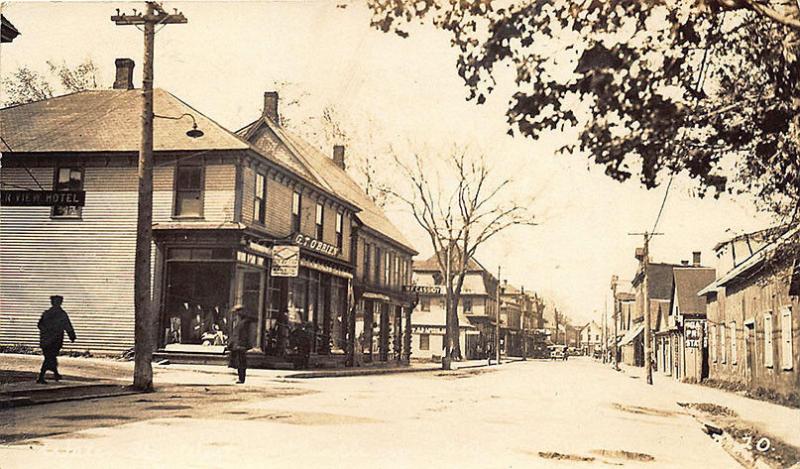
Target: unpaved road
[530,414]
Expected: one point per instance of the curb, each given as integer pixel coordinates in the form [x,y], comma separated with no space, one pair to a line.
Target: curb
[31,399]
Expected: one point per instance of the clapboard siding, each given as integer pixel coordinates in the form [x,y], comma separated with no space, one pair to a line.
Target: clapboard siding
[90,261]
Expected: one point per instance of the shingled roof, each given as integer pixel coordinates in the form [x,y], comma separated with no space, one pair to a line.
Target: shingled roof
[688,282]
[107,121]
[322,169]
[431,264]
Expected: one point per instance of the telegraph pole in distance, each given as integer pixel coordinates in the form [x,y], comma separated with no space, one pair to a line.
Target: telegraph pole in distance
[648,364]
[614,280]
[497,322]
[145,322]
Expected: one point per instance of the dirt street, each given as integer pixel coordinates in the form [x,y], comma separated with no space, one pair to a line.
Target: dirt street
[527,414]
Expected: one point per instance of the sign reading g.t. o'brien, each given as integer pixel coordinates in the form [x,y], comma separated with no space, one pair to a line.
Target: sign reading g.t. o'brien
[42,198]
[315,244]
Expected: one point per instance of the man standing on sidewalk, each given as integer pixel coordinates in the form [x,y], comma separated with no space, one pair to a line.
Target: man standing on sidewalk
[52,325]
[240,341]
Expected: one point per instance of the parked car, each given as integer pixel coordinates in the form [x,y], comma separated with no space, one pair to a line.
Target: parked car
[558,352]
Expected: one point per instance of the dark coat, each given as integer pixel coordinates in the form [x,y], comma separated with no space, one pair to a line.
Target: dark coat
[52,325]
[240,338]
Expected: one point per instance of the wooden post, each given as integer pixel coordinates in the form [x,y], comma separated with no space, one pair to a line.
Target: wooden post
[497,322]
[648,365]
[144,317]
[614,280]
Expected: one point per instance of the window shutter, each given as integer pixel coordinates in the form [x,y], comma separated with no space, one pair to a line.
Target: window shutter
[786,338]
[713,343]
[724,349]
[768,349]
[733,343]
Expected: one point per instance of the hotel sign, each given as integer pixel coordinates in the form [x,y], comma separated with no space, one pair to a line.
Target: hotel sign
[316,245]
[285,261]
[42,198]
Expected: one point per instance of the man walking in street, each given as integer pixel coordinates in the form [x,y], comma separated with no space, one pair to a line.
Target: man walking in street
[240,342]
[52,325]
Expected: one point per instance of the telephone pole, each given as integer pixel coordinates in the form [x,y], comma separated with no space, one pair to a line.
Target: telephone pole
[145,321]
[497,322]
[603,334]
[446,363]
[648,363]
[614,280]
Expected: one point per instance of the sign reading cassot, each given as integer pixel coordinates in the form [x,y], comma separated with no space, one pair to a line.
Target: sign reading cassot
[316,245]
[42,198]
[285,261]
[424,289]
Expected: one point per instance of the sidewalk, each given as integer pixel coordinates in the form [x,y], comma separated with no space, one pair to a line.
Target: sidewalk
[771,419]
[19,388]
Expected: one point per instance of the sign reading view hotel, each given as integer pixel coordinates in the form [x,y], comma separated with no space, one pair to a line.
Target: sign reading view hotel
[42,198]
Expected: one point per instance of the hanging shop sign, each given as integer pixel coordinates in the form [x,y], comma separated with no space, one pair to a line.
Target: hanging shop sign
[315,245]
[424,289]
[42,198]
[692,333]
[285,261]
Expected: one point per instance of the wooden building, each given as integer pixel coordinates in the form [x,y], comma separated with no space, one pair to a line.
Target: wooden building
[753,324]
[378,254]
[224,206]
[477,311]
[681,349]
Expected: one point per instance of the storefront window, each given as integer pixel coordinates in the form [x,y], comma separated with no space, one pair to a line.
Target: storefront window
[196,306]
[297,299]
[338,298]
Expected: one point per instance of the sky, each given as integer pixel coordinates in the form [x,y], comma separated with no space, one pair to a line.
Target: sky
[229,53]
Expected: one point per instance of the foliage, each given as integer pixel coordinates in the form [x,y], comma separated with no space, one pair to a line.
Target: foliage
[26,85]
[653,87]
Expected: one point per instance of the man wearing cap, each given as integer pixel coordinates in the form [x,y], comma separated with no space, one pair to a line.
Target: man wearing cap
[52,325]
[240,341]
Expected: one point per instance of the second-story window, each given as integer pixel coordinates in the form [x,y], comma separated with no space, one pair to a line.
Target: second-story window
[260,205]
[189,191]
[378,273]
[367,263]
[339,239]
[397,279]
[467,305]
[387,269]
[296,201]
[68,179]
[319,220]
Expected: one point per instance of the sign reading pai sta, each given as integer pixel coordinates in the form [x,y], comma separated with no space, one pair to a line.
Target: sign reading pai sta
[315,245]
[42,198]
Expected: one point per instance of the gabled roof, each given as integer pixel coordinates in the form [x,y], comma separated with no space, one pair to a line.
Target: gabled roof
[755,260]
[431,264]
[7,30]
[328,174]
[688,282]
[659,280]
[107,121]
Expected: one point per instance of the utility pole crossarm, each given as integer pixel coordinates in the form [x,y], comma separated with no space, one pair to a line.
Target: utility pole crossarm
[162,17]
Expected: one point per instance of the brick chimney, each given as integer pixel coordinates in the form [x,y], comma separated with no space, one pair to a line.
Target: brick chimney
[696,258]
[124,79]
[338,155]
[271,106]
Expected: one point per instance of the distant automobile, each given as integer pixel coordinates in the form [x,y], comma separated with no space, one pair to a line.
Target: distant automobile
[558,352]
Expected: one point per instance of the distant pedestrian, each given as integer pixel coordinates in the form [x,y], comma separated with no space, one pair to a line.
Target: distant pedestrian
[305,341]
[52,325]
[239,342]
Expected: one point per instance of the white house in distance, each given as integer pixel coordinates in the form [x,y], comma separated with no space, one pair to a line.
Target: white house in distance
[477,311]
[591,338]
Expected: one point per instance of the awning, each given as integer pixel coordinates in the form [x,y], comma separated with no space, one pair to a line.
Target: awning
[326,269]
[631,335]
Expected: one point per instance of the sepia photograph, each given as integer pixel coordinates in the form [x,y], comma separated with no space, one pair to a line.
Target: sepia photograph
[400,234]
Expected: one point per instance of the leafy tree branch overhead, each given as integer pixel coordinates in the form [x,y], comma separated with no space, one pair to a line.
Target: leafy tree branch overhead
[654,88]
